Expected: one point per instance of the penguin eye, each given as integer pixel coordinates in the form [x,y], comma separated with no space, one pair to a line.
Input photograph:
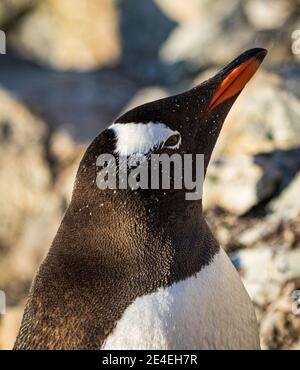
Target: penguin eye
[172,141]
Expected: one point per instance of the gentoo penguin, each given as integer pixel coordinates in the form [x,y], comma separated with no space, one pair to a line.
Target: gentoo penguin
[140,269]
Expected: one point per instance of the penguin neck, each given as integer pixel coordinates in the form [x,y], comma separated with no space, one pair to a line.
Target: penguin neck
[140,233]
[102,260]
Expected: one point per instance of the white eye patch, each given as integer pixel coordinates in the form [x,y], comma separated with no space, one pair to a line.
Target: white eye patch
[133,138]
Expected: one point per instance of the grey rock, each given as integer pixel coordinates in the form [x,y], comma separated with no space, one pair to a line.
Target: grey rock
[20,262]
[67,155]
[25,178]
[253,235]
[265,270]
[68,35]
[239,183]
[29,209]
[146,95]
[178,10]
[268,14]
[287,206]
[280,326]
[11,10]
[82,104]
[200,39]
[204,31]
[145,28]
[264,118]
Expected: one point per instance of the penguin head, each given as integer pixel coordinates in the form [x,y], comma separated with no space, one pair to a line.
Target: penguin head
[187,123]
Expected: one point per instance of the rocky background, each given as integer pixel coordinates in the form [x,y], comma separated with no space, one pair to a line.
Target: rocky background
[73,65]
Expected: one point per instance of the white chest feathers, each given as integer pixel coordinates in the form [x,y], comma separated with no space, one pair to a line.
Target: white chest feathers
[208,311]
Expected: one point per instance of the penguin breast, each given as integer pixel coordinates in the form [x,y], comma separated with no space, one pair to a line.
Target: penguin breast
[210,310]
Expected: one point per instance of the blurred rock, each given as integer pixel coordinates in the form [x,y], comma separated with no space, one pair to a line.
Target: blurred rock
[9,326]
[280,326]
[206,30]
[226,227]
[29,209]
[144,30]
[276,230]
[10,10]
[87,35]
[146,95]
[81,104]
[68,34]
[290,77]
[256,233]
[19,265]
[264,118]
[239,183]
[66,154]
[25,179]
[200,39]
[266,269]
[178,10]
[63,148]
[287,206]
[65,180]
[268,14]
[288,234]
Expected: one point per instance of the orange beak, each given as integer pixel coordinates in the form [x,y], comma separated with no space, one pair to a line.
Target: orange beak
[237,79]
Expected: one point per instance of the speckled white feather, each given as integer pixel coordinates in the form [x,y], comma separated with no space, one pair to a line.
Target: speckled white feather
[208,311]
[133,138]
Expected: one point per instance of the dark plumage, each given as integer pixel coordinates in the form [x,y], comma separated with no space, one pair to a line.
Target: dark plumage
[109,248]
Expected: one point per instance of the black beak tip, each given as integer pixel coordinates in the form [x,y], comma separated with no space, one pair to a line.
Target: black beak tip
[258,53]
[261,54]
